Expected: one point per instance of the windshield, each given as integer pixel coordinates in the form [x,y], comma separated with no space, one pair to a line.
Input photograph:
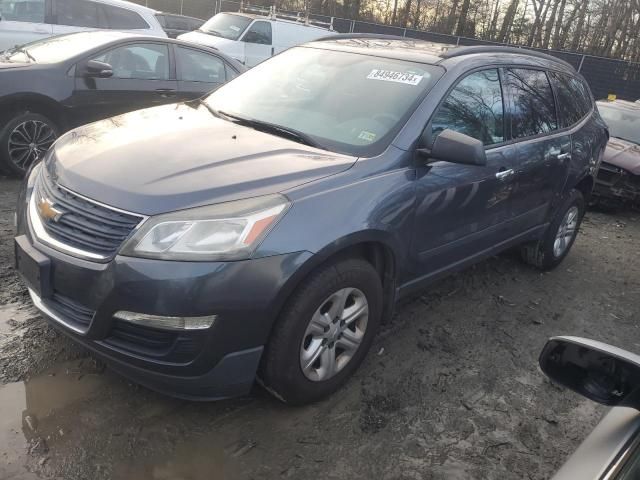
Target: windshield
[344,102]
[624,124]
[226,25]
[58,49]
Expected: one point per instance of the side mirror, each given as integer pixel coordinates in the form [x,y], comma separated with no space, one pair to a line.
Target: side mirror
[595,370]
[98,69]
[455,147]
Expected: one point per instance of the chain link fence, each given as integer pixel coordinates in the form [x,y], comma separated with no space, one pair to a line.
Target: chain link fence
[604,75]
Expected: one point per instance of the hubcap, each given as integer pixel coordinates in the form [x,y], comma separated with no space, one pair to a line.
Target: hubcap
[334,334]
[28,141]
[566,231]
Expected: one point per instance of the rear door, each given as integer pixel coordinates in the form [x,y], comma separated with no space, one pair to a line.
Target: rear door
[24,21]
[258,42]
[462,210]
[143,76]
[198,72]
[543,151]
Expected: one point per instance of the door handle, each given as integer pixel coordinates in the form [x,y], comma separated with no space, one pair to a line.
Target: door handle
[166,92]
[504,174]
[564,156]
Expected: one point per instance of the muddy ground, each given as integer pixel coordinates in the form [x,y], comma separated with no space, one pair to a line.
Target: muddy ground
[451,388]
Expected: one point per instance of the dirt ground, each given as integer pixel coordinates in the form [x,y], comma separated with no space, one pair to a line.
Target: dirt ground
[451,388]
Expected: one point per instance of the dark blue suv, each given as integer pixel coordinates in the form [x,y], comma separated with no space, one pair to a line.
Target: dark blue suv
[266,230]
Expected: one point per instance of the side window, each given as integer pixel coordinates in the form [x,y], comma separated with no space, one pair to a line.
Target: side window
[123,19]
[583,94]
[31,11]
[231,73]
[474,108]
[569,108]
[199,67]
[259,32]
[139,61]
[533,107]
[77,13]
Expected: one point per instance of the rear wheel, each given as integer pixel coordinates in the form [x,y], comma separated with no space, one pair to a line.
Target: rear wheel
[549,252]
[324,332]
[24,139]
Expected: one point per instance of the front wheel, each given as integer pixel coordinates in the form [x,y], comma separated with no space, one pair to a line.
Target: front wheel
[548,253]
[24,139]
[324,332]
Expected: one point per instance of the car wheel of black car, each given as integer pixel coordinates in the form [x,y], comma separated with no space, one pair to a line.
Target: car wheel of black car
[549,252]
[24,139]
[324,332]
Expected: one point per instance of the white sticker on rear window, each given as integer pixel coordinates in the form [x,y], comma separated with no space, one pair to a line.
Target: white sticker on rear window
[398,77]
[234,28]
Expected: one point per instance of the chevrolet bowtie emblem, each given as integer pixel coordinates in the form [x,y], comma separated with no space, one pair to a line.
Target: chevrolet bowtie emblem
[48,211]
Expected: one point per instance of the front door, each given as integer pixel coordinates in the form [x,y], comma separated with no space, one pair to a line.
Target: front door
[258,43]
[141,78]
[543,156]
[462,210]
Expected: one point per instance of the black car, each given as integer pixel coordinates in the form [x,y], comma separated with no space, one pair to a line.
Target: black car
[618,182]
[174,24]
[50,86]
[270,227]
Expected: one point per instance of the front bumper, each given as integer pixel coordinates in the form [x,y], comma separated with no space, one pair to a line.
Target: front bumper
[617,186]
[213,363]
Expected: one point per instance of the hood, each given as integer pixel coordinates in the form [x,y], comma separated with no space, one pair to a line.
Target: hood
[180,156]
[623,154]
[7,65]
[207,39]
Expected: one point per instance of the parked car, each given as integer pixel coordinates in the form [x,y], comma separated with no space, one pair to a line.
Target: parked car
[610,376]
[53,85]
[25,21]
[251,38]
[175,25]
[269,228]
[618,182]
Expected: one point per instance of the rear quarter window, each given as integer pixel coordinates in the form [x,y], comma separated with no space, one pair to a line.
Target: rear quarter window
[574,99]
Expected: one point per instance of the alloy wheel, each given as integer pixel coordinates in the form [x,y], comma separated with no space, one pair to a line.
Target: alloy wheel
[334,334]
[566,231]
[28,141]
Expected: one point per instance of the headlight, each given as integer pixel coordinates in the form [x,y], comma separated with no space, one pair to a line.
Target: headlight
[227,231]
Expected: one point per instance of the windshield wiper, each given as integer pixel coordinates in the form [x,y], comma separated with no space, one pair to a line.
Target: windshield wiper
[269,128]
[215,33]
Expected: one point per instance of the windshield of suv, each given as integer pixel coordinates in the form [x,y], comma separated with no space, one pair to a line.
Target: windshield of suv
[344,102]
[226,25]
[58,49]
[624,124]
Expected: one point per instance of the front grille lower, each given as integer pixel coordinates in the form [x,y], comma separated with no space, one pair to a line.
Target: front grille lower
[70,310]
[83,224]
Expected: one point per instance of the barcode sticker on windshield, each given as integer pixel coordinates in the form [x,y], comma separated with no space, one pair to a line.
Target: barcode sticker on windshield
[234,28]
[391,76]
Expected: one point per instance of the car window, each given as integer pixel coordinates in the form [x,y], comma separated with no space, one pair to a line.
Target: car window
[199,67]
[259,32]
[139,61]
[22,11]
[570,109]
[123,19]
[584,95]
[77,13]
[231,73]
[474,107]
[226,25]
[533,107]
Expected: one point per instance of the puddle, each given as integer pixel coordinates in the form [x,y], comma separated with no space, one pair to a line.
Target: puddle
[28,420]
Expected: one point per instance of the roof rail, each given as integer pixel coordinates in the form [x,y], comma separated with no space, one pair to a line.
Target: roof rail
[459,51]
[355,36]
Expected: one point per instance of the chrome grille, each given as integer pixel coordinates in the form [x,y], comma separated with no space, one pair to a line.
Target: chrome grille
[83,224]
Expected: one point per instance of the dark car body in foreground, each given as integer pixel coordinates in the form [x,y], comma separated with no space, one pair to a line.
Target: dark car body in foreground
[50,86]
[618,182]
[610,376]
[271,227]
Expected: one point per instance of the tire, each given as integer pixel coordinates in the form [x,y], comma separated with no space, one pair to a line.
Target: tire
[17,153]
[547,254]
[295,337]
